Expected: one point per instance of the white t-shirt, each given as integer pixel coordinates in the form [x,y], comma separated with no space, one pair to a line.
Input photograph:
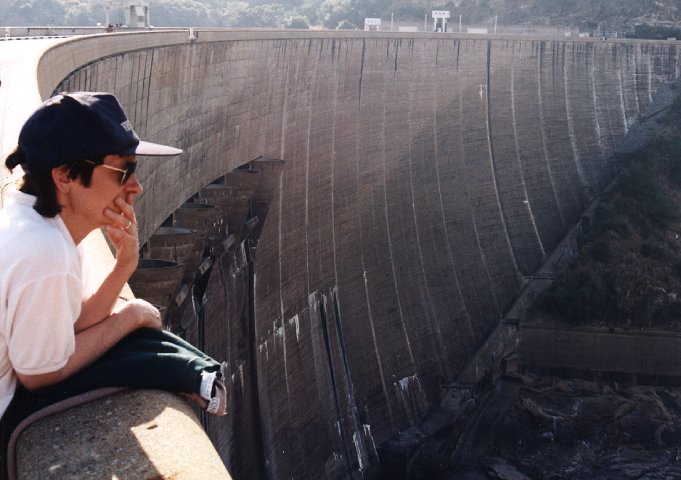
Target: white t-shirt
[40,293]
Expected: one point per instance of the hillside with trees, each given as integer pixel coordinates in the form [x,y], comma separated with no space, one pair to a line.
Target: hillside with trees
[584,14]
[629,272]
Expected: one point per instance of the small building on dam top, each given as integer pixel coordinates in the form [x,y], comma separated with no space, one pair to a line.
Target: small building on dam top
[355,214]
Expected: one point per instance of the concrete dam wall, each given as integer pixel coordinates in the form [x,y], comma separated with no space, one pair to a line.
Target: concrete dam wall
[425,177]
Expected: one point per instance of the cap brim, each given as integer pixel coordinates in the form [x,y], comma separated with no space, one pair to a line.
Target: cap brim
[155,149]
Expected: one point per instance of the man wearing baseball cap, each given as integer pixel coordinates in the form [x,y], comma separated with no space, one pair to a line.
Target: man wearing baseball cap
[60,335]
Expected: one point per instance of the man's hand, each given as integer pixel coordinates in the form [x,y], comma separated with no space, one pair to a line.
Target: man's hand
[140,313]
[123,235]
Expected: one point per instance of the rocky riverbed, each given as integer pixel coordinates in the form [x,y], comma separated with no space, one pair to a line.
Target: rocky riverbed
[571,429]
[532,427]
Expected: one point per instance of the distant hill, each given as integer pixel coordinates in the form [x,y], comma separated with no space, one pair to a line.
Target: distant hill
[585,14]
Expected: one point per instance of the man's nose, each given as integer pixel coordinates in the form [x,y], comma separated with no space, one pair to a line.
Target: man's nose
[133,186]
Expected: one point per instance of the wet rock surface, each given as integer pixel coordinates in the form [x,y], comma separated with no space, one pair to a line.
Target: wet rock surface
[572,429]
[557,429]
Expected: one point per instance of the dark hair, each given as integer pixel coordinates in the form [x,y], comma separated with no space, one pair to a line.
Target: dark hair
[40,184]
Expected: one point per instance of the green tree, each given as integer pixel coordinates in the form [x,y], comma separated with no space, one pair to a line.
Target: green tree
[332,12]
[297,22]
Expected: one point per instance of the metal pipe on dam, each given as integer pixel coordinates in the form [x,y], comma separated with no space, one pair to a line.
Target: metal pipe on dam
[425,177]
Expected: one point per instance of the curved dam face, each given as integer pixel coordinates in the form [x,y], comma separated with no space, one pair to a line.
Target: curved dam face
[425,178]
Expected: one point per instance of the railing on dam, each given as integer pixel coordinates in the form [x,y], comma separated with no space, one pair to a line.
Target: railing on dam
[427,177]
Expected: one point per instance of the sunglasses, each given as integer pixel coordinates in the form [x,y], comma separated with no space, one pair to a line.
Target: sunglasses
[124,173]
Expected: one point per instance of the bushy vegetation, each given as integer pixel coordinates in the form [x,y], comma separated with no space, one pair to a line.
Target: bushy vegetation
[586,14]
[655,32]
[629,272]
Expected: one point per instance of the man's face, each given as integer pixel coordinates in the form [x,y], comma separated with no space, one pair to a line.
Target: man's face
[106,186]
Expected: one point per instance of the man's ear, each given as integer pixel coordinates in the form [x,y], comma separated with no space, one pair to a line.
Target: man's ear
[61,179]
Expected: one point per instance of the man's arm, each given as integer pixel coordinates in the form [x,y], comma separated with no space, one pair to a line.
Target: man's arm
[100,305]
[95,341]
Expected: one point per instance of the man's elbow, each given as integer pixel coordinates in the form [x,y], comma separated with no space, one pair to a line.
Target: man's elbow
[33,382]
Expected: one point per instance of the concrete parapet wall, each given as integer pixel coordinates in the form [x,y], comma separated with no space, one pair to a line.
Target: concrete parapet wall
[60,61]
[141,434]
[647,354]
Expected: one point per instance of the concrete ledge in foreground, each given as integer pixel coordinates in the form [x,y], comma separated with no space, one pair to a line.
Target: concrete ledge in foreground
[135,434]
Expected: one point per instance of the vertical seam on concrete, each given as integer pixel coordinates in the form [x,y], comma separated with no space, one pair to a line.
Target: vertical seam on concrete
[334,249]
[521,171]
[333,176]
[281,307]
[366,292]
[307,176]
[376,347]
[279,242]
[450,257]
[361,70]
[281,180]
[390,247]
[636,73]
[483,259]
[148,94]
[253,358]
[284,353]
[612,124]
[413,207]
[540,93]
[282,317]
[321,303]
[623,109]
[143,88]
[83,77]
[457,43]
[650,82]
[471,210]
[571,129]
[492,161]
[140,85]
[677,72]
[348,377]
[425,286]
[428,311]
[599,129]
[134,79]
[284,112]
[115,76]
[268,98]
[594,97]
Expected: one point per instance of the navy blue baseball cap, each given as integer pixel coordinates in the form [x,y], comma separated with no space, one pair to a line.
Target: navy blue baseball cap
[81,125]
